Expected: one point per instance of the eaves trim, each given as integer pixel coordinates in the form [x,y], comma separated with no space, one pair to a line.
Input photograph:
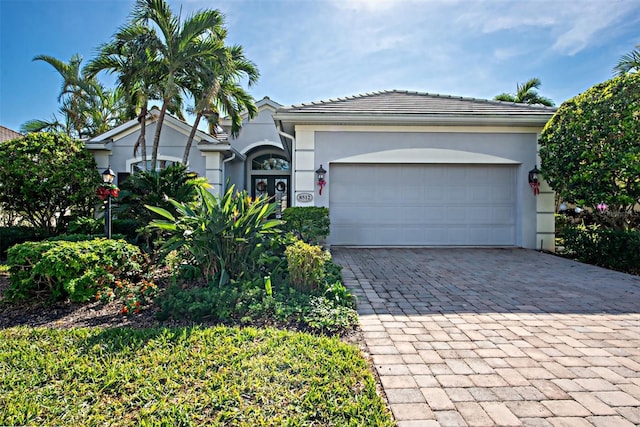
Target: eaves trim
[539,119]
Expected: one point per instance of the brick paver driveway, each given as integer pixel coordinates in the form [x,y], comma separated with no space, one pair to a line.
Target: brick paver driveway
[484,337]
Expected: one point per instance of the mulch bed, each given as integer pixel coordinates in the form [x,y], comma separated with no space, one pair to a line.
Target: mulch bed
[67,314]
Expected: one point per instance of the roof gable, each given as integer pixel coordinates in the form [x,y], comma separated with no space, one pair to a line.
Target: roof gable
[133,126]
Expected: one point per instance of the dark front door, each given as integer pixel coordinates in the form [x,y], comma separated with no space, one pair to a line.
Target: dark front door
[274,186]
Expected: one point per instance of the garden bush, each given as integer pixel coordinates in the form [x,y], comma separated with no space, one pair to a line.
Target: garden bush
[10,236]
[310,223]
[77,270]
[128,228]
[615,249]
[43,176]
[306,266]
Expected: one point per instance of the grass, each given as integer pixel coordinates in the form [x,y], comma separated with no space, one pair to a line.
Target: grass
[187,376]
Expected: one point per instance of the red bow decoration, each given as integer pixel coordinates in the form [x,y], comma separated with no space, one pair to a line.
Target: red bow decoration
[321,183]
[536,187]
[103,192]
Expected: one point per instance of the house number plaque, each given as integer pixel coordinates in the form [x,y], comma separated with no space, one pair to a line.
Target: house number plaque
[304,197]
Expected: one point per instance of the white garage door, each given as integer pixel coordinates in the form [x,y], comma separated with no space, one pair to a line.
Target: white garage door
[428,205]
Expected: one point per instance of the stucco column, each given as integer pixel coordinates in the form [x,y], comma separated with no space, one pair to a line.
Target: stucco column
[545,214]
[304,168]
[213,170]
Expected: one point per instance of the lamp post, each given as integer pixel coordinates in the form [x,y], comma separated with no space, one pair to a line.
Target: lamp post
[107,177]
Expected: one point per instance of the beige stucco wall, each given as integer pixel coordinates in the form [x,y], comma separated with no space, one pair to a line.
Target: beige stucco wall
[536,214]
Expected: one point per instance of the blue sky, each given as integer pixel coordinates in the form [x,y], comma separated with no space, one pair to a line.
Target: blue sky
[310,50]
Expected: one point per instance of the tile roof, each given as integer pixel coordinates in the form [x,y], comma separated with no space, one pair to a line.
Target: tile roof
[396,102]
[7,134]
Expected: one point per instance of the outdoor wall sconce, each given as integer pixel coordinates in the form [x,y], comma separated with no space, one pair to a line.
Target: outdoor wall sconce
[534,182]
[321,182]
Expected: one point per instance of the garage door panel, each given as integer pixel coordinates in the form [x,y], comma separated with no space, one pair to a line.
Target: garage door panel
[422,205]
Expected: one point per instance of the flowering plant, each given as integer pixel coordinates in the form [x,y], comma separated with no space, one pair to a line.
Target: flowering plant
[106,190]
[134,295]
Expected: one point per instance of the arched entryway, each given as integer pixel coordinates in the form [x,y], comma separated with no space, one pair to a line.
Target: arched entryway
[270,174]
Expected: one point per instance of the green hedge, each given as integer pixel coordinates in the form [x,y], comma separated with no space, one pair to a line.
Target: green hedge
[61,269]
[311,223]
[615,249]
[10,236]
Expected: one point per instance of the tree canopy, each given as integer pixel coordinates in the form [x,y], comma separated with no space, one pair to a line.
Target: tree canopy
[590,149]
[157,55]
[45,176]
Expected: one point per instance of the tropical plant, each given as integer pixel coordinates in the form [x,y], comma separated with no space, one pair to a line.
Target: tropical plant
[155,188]
[215,88]
[86,107]
[590,149]
[526,93]
[180,46]
[629,62]
[131,55]
[222,236]
[46,176]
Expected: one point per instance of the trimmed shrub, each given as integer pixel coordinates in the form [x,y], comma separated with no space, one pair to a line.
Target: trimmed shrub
[311,223]
[77,270]
[95,227]
[615,249]
[306,266]
[10,236]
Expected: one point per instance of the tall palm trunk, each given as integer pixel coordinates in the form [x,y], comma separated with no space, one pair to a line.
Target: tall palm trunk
[187,148]
[141,143]
[156,138]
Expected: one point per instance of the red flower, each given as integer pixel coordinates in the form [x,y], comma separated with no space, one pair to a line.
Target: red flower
[124,310]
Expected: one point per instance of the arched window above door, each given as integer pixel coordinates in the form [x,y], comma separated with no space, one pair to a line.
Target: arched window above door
[269,162]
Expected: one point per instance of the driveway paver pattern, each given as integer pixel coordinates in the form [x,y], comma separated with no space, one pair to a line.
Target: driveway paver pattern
[510,337]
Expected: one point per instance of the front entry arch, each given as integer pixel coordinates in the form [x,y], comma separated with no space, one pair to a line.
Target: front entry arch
[270,175]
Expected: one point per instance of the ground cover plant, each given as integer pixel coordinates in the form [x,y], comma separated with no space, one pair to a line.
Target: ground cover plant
[185,376]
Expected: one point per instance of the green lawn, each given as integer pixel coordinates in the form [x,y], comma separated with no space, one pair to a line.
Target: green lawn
[190,376]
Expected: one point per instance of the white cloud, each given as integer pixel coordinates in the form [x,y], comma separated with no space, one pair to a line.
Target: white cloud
[570,26]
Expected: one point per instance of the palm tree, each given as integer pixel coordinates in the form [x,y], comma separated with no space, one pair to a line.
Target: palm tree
[73,90]
[181,46]
[629,62]
[216,89]
[526,93]
[131,55]
[87,108]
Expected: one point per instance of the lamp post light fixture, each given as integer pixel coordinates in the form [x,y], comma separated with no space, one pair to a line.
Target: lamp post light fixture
[534,181]
[321,182]
[107,178]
